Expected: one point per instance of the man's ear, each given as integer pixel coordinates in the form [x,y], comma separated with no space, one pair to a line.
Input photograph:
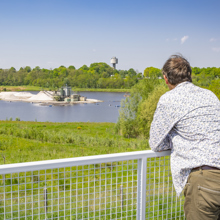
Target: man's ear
[166,80]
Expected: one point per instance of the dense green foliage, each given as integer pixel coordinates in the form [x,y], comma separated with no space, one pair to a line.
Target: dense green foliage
[97,75]
[33,141]
[137,111]
[207,78]
[152,72]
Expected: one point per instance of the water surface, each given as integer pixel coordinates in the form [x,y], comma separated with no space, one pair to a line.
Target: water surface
[100,112]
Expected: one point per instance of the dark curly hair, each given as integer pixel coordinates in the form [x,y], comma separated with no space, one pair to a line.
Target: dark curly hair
[177,69]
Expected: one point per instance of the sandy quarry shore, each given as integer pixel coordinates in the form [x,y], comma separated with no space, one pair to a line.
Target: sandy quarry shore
[44,97]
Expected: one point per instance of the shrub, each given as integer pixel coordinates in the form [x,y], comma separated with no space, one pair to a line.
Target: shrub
[130,124]
[147,108]
[215,87]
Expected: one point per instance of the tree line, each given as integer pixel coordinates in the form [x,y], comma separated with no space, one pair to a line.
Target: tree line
[97,75]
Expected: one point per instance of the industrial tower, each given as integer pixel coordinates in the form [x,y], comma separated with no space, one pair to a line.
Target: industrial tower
[114,61]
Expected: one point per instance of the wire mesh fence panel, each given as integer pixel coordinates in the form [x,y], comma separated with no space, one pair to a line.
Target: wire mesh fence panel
[134,185]
[97,191]
[161,199]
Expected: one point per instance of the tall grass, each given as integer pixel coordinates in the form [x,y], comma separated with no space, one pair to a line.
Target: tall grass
[32,141]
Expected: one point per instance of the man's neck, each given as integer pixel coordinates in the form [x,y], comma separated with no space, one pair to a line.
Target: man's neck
[171,86]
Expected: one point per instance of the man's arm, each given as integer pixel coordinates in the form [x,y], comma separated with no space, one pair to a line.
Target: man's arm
[165,145]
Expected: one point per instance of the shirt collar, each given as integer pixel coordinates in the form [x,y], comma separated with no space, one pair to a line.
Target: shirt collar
[182,84]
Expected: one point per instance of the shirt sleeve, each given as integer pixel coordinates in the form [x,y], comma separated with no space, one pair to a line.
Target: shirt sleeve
[160,128]
[166,144]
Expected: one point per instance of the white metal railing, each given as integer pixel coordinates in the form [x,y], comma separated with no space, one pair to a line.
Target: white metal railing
[134,185]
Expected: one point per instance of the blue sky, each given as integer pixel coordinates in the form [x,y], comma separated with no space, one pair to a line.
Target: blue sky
[50,33]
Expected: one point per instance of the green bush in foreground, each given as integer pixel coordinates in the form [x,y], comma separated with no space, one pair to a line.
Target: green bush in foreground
[137,110]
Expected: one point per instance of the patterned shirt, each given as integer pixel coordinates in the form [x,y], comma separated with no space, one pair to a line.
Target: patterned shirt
[187,121]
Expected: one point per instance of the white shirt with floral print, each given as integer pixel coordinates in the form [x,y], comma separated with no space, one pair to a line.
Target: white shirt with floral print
[187,121]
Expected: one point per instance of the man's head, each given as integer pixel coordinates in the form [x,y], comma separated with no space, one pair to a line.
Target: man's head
[176,70]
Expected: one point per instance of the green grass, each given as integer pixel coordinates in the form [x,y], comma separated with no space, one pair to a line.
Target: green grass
[21,88]
[37,88]
[33,141]
[90,189]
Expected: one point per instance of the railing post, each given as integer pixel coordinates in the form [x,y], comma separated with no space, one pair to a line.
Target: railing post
[141,188]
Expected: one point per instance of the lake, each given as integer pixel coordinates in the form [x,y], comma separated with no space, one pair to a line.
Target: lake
[100,112]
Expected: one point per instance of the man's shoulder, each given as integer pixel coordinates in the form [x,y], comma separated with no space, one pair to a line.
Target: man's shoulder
[202,93]
[185,92]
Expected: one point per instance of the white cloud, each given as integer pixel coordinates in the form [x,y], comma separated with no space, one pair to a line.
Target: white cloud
[183,39]
[94,50]
[212,39]
[216,49]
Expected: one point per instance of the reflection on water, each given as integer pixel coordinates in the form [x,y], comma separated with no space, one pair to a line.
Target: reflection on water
[107,111]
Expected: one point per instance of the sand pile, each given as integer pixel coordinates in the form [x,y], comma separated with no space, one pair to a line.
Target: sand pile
[7,95]
[26,96]
[23,94]
[41,96]
[15,95]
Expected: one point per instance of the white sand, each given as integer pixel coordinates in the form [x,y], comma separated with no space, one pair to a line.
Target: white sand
[41,96]
[7,95]
[21,94]
[25,96]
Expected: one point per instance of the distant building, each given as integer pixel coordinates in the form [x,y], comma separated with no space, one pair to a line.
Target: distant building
[65,94]
[114,61]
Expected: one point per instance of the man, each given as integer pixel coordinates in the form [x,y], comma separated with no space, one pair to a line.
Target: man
[187,121]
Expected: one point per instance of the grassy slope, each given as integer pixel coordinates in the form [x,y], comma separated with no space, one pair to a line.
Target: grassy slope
[34,141]
[21,88]
[37,88]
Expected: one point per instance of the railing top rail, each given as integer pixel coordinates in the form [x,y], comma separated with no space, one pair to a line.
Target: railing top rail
[78,161]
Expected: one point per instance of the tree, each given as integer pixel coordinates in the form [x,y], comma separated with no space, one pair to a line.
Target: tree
[71,67]
[84,68]
[131,72]
[27,69]
[37,68]
[128,123]
[147,108]
[12,69]
[150,72]
[66,81]
[215,87]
